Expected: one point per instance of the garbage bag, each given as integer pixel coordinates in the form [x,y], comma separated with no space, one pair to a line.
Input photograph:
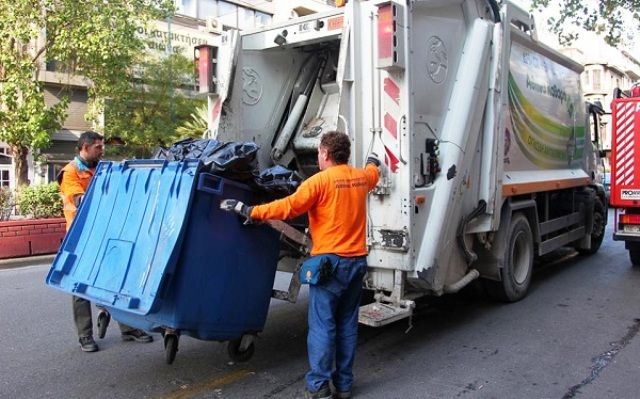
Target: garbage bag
[278,180]
[234,160]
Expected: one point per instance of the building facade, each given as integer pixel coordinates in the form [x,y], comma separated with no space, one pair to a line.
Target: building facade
[196,22]
[605,69]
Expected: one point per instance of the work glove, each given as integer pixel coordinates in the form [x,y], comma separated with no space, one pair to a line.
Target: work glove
[233,205]
[373,159]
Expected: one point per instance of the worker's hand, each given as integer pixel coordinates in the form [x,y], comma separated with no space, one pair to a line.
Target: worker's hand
[233,205]
[373,159]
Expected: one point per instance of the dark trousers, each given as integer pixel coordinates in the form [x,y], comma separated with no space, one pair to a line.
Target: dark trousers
[83,320]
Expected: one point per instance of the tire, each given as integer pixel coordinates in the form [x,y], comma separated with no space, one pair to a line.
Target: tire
[634,253]
[597,233]
[237,355]
[518,263]
[170,347]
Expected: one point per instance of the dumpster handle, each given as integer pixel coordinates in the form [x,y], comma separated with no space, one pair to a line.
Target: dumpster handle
[144,163]
[211,184]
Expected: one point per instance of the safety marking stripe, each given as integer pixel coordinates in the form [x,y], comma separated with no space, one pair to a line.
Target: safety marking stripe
[391,125]
[392,90]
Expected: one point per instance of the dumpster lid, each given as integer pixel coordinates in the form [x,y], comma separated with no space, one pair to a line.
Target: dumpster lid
[124,242]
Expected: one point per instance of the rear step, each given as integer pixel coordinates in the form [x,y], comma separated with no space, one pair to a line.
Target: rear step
[378,314]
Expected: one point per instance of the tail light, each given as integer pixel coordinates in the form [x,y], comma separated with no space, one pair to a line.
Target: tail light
[390,36]
[206,59]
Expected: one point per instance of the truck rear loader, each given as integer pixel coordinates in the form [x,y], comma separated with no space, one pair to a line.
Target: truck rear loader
[490,153]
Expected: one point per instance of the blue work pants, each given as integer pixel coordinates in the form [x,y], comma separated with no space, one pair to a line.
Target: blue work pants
[333,325]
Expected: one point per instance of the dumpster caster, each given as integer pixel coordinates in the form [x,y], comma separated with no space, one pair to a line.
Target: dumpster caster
[241,349]
[170,347]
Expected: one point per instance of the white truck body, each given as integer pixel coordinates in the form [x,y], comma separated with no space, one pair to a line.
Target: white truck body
[479,124]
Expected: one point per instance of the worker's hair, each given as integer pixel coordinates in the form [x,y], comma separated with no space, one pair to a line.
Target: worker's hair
[88,138]
[338,145]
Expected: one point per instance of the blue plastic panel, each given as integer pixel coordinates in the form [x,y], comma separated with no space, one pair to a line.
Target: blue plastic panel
[127,235]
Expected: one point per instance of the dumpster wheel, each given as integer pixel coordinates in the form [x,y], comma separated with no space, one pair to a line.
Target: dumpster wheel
[237,354]
[170,347]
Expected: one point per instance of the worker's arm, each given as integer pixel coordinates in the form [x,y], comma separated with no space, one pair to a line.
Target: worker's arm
[71,187]
[292,206]
[372,170]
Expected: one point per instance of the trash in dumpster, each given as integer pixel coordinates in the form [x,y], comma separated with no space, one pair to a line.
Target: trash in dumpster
[233,160]
[278,180]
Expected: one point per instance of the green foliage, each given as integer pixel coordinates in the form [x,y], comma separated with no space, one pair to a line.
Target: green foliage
[196,125]
[606,17]
[6,203]
[93,38]
[156,102]
[41,201]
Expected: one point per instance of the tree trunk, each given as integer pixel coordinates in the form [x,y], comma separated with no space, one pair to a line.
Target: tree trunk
[22,167]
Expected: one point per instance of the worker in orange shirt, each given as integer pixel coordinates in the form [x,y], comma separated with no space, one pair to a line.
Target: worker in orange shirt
[74,180]
[335,199]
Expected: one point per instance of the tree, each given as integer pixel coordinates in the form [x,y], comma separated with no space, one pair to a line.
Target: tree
[94,38]
[196,125]
[617,20]
[157,101]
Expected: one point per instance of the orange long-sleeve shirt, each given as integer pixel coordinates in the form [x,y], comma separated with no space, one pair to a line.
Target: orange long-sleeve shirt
[73,181]
[336,201]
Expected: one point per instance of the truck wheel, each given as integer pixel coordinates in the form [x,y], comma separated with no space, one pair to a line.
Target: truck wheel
[634,253]
[518,263]
[597,233]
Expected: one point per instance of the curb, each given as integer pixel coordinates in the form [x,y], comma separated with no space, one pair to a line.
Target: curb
[13,263]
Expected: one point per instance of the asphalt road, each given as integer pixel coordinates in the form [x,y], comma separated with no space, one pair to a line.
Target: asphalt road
[574,336]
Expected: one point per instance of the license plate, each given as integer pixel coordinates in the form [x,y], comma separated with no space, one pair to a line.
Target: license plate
[631,228]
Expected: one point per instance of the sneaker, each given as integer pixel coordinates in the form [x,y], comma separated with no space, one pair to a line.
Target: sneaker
[87,344]
[322,393]
[342,395]
[136,335]
[103,322]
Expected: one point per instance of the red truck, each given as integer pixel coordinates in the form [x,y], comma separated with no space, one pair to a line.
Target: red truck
[625,170]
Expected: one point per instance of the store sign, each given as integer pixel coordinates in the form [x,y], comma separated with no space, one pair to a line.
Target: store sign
[162,38]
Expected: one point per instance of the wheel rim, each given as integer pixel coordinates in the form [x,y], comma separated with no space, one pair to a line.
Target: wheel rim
[521,257]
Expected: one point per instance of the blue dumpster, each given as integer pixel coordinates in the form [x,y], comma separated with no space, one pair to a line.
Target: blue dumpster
[151,245]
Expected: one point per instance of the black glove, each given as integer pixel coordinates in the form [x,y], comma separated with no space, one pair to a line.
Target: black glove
[232,205]
[373,159]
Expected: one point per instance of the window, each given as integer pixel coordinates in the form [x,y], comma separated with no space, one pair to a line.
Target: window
[186,7]
[228,13]
[4,178]
[246,18]
[596,80]
[262,19]
[207,9]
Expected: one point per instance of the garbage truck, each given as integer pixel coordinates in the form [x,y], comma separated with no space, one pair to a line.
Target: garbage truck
[625,189]
[491,155]
[490,160]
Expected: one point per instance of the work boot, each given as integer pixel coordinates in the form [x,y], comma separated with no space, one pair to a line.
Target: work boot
[342,395]
[322,393]
[103,322]
[87,344]
[137,335]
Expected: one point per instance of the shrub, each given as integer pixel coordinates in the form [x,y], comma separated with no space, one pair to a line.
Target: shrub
[6,203]
[41,201]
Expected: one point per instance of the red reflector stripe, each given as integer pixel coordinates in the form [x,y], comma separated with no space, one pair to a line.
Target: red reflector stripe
[391,125]
[392,90]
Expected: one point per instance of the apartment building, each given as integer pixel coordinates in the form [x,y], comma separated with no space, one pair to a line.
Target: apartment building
[196,22]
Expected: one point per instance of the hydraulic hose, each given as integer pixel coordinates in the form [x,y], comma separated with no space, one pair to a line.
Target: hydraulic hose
[495,8]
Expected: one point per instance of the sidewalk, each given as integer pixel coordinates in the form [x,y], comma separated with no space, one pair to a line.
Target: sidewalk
[26,261]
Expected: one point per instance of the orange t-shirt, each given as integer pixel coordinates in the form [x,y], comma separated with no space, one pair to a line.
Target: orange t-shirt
[336,199]
[73,182]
